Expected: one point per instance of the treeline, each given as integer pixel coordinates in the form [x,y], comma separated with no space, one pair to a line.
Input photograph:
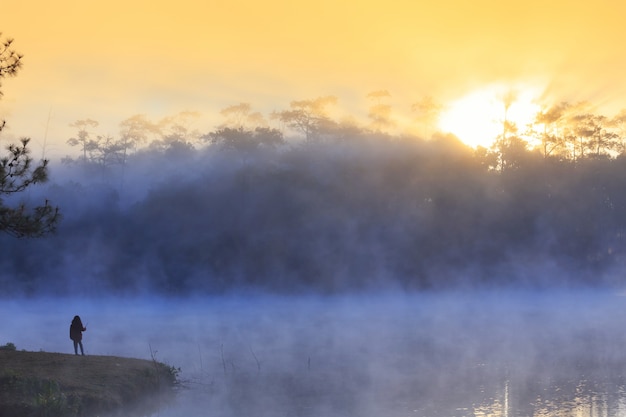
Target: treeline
[565,131]
[370,212]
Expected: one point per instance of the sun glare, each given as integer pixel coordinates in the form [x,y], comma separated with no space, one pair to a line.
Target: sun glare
[477,118]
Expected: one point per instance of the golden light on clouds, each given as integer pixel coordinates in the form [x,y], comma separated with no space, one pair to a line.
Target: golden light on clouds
[110,60]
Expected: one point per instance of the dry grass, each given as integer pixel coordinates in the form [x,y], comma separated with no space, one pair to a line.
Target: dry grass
[56,384]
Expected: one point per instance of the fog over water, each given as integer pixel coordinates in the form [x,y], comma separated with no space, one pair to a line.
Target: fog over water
[459,354]
[378,277]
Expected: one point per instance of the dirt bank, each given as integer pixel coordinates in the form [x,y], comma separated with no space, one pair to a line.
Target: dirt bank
[57,384]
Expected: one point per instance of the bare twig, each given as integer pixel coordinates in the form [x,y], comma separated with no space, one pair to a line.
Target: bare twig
[223,361]
[258,364]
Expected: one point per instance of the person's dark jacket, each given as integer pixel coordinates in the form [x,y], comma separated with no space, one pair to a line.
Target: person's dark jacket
[77,329]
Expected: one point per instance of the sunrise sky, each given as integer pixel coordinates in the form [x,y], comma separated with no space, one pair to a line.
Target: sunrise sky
[110,60]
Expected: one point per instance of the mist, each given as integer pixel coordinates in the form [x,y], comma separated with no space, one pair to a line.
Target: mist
[364,215]
[353,274]
[465,354]
[378,276]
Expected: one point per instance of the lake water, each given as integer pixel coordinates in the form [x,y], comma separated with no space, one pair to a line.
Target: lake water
[428,355]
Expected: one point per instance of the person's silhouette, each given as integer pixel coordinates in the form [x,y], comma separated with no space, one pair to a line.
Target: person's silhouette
[76,334]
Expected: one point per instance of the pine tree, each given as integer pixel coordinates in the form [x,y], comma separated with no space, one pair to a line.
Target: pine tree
[17,172]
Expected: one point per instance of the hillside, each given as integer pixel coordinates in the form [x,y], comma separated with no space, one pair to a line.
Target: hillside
[56,384]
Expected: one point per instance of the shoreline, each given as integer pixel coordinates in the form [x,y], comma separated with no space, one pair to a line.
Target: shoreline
[61,384]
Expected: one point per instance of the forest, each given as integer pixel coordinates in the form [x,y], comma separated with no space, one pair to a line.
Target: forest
[300,202]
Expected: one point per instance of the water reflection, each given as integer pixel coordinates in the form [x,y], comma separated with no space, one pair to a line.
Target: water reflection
[529,397]
[497,407]
[601,398]
[555,392]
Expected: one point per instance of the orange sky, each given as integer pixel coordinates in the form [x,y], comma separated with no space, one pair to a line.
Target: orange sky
[111,60]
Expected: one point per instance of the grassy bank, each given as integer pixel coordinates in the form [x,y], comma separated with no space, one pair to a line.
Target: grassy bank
[60,385]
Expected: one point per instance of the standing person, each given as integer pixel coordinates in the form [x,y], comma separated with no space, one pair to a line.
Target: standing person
[76,334]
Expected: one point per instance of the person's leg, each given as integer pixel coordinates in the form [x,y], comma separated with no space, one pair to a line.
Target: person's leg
[81,348]
[75,347]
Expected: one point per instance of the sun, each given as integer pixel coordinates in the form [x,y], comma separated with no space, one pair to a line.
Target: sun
[477,118]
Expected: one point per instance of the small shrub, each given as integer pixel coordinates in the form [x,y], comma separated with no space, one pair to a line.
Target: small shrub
[50,401]
[8,346]
[172,373]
